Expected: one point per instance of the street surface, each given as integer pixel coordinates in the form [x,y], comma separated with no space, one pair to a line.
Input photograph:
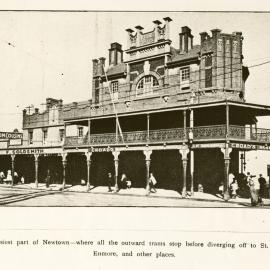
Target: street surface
[32,197]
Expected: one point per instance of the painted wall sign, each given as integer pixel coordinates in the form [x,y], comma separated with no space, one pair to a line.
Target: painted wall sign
[101,149]
[208,145]
[10,135]
[23,151]
[249,146]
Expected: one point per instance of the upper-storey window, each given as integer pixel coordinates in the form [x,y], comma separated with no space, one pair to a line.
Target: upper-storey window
[208,71]
[185,74]
[208,77]
[30,136]
[61,134]
[44,135]
[97,85]
[146,85]
[115,90]
[185,78]
[80,131]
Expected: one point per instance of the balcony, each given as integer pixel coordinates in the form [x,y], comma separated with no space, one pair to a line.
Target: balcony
[176,135]
[136,137]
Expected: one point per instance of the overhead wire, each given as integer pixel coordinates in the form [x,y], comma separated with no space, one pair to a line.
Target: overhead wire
[132,95]
[114,108]
[171,85]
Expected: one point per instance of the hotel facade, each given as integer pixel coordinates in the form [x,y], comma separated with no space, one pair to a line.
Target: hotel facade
[179,113]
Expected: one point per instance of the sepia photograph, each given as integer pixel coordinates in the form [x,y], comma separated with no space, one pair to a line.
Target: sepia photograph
[135,109]
[134,135]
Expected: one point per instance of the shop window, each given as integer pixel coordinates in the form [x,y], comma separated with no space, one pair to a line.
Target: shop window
[146,85]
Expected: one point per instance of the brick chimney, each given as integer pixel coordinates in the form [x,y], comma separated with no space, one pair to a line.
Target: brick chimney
[101,65]
[115,54]
[204,36]
[215,33]
[129,37]
[186,39]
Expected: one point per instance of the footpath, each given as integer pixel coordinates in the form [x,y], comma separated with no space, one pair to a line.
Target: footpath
[161,193]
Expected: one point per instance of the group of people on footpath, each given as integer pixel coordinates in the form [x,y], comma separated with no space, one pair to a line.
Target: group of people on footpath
[8,179]
[125,183]
[247,186]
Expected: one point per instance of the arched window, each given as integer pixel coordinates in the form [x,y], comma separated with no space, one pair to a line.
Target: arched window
[146,85]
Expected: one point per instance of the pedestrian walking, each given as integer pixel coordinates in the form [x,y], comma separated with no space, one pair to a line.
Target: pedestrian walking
[48,178]
[231,178]
[152,183]
[254,190]
[8,180]
[22,180]
[16,178]
[109,181]
[262,183]
[123,181]
[234,187]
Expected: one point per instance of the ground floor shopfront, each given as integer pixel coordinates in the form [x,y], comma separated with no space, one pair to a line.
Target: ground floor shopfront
[181,168]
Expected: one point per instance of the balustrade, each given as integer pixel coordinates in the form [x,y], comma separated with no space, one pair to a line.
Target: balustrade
[161,135]
[240,133]
[209,132]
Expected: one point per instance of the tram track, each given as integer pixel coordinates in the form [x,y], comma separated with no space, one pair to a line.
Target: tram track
[11,198]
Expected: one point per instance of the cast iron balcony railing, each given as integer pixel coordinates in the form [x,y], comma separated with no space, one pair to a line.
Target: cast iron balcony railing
[240,133]
[209,132]
[177,135]
[250,134]
[155,136]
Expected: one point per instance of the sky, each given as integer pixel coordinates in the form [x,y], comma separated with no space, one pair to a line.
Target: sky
[49,54]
